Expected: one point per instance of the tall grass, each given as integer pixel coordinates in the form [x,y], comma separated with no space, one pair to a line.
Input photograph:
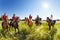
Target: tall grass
[34,33]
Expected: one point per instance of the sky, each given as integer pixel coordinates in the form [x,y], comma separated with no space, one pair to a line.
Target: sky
[23,8]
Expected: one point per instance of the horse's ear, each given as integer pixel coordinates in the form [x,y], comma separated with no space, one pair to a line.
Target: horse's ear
[17,17]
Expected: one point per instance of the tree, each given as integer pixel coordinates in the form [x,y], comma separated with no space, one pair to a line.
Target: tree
[0,18]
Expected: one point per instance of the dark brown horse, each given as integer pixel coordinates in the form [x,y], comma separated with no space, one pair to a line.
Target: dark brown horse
[38,21]
[15,24]
[50,23]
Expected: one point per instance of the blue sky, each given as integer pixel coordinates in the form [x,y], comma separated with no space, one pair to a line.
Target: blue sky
[23,8]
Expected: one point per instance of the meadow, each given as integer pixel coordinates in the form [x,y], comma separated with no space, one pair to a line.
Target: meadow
[41,32]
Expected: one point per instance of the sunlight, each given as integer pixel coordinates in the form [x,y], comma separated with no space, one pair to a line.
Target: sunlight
[45,5]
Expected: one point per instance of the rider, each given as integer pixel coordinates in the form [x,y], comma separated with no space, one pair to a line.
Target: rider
[30,17]
[13,18]
[38,17]
[4,18]
[51,18]
[30,20]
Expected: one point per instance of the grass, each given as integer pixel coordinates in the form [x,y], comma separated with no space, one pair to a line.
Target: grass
[34,33]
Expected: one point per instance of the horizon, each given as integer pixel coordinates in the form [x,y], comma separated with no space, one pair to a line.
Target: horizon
[23,8]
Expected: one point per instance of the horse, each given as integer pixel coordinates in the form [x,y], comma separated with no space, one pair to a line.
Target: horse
[5,25]
[38,21]
[30,23]
[50,22]
[15,24]
[26,20]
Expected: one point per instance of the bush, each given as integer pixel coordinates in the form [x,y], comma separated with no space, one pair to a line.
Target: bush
[57,35]
[52,33]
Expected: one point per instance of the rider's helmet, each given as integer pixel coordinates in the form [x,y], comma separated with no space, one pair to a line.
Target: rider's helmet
[37,16]
[51,15]
[4,14]
[13,14]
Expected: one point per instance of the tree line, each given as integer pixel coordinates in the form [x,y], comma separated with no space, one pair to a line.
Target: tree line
[24,19]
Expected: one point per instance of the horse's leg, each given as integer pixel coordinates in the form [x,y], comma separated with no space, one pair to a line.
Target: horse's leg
[15,30]
[53,25]
[49,27]
[30,26]
[6,30]
[37,23]
[9,28]
[17,27]
[2,26]
[18,30]
[3,29]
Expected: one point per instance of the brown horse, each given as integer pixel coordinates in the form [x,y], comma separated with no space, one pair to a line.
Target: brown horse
[28,22]
[5,25]
[50,23]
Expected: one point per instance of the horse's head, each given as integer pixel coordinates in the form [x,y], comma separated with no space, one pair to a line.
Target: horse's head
[40,19]
[26,19]
[54,21]
[47,18]
[11,20]
[17,19]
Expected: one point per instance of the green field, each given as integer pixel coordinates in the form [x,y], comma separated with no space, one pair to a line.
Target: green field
[34,33]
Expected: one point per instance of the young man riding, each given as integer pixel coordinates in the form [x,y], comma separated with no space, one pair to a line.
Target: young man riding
[15,21]
[38,20]
[13,18]
[51,18]
[30,17]
[4,18]
[30,20]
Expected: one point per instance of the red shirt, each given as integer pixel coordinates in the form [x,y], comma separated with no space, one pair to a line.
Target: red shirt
[13,18]
[4,17]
